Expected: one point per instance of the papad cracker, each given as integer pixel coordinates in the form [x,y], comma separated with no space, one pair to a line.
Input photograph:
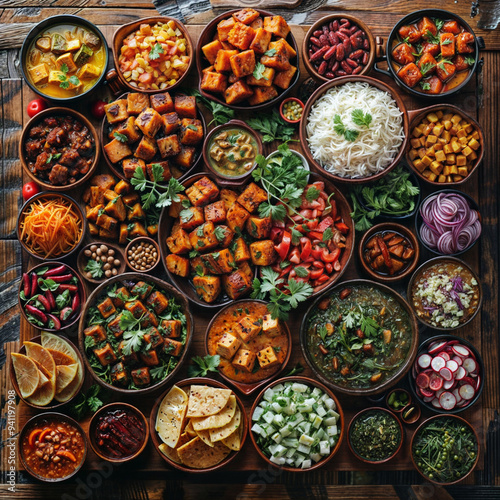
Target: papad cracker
[224,432]
[198,455]
[205,401]
[219,420]
[171,415]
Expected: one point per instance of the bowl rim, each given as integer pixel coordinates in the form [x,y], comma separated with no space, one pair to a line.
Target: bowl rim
[451,416]
[200,381]
[310,382]
[111,406]
[396,377]
[233,123]
[386,226]
[81,259]
[165,287]
[13,379]
[431,13]
[248,388]
[128,28]
[200,61]
[435,261]
[337,82]
[447,337]
[416,115]
[59,110]
[51,415]
[61,18]
[397,389]
[381,410]
[137,240]
[473,204]
[328,18]
[282,105]
[116,168]
[51,194]
[81,288]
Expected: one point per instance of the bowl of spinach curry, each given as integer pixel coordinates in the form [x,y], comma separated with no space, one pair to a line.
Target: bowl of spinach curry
[359,338]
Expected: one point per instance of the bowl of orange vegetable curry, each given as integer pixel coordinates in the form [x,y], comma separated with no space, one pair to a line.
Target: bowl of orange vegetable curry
[432,53]
[64,57]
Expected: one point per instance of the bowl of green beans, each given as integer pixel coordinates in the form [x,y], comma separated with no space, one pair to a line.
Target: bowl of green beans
[445,449]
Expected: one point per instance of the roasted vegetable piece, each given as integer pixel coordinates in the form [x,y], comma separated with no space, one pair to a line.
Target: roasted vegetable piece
[179,242]
[207,287]
[262,252]
[172,328]
[106,308]
[178,265]
[252,197]
[158,302]
[237,284]
[106,355]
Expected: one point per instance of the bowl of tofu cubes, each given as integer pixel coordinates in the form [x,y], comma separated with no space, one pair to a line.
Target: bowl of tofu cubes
[141,130]
[134,332]
[247,59]
[64,57]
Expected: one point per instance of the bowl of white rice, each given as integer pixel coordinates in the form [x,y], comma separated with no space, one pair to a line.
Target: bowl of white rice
[354,129]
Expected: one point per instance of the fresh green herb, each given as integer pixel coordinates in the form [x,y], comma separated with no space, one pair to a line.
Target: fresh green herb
[258,72]
[154,196]
[94,267]
[220,233]
[193,254]
[406,40]
[186,215]
[270,52]
[199,271]
[438,22]
[64,68]
[272,127]
[65,81]
[296,235]
[53,157]
[120,137]
[155,52]
[434,39]
[470,60]
[425,85]
[47,284]
[74,80]
[442,66]
[298,368]
[339,127]
[233,139]
[327,234]
[192,127]
[63,299]
[447,41]
[231,157]
[426,67]
[221,114]
[312,193]
[301,272]
[203,365]
[89,402]
[360,118]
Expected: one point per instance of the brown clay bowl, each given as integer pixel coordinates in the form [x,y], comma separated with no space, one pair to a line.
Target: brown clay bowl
[363,413]
[46,196]
[116,168]
[142,240]
[234,180]
[403,231]
[376,387]
[444,418]
[207,35]
[311,383]
[417,116]
[58,112]
[115,77]
[311,69]
[316,166]
[157,441]
[282,109]
[54,404]
[83,259]
[43,419]
[397,392]
[81,291]
[107,410]
[257,379]
[169,291]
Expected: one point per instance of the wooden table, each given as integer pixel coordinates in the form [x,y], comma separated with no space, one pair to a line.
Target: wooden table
[248,474]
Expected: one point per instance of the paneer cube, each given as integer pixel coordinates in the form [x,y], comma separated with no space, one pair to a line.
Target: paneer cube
[248,328]
[244,360]
[236,217]
[215,212]
[262,252]
[237,284]
[277,26]
[146,149]
[106,355]
[169,146]
[260,41]
[116,111]
[252,197]
[136,102]
[241,36]
[179,243]
[66,59]
[178,265]
[158,302]
[162,103]
[243,63]
[106,308]
[97,332]
[227,346]
[149,121]
[170,122]
[270,326]
[208,288]
[88,72]
[39,74]
[203,238]
[267,358]
[171,328]
[172,347]
[191,132]
[191,217]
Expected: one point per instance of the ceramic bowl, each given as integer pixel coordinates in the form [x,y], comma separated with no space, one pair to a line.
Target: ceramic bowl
[138,241]
[83,259]
[283,115]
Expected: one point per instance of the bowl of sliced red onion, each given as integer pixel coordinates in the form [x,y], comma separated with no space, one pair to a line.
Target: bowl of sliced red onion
[448,222]
[447,375]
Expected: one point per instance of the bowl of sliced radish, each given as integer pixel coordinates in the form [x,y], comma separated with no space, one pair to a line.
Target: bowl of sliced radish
[447,376]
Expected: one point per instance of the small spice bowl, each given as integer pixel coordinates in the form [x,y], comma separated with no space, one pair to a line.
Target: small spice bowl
[110,256]
[411,414]
[291,110]
[397,400]
[386,418]
[142,254]
[118,432]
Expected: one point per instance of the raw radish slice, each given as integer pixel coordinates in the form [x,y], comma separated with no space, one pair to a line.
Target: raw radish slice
[438,393]
[478,382]
[467,391]
[437,363]
[434,348]
[424,361]
[458,359]
[468,380]
[422,381]
[456,393]
[453,342]
[446,373]
[469,365]
[449,384]
[447,401]
[435,403]
[460,373]
[444,355]
[427,393]
[460,350]
[428,399]
[435,382]
[452,365]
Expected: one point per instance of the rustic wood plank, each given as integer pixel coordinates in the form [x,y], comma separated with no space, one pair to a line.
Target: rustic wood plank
[261,4]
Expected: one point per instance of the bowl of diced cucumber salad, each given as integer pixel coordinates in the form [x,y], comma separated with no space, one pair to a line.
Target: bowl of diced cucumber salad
[297,424]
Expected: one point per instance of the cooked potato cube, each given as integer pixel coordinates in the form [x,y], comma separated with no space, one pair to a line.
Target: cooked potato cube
[210,50]
[202,192]
[106,222]
[106,355]
[185,106]
[262,252]
[243,64]
[214,82]
[178,265]
[67,59]
[88,72]
[164,167]
[277,26]
[221,262]
[237,284]
[246,16]
[260,41]
[282,79]
[116,111]
[97,332]
[223,60]
[130,165]
[149,121]
[265,81]
[149,358]
[241,36]
[262,94]
[171,328]
[242,252]
[192,217]
[146,149]
[116,209]
[252,197]
[228,196]
[224,27]
[158,302]
[279,61]
[129,129]
[39,74]
[186,158]
[141,376]
[114,326]
[172,347]
[106,308]
[236,217]
[191,132]
[170,122]
[179,243]
[282,45]
[162,103]
[136,102]
[227,346]
[248,328]
[237,92]
[215,212]
[169,146]
[208,288]
[259,227]
[203,237]
[117,150]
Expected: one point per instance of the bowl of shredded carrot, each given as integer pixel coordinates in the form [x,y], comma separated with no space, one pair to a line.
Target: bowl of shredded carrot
[50,226]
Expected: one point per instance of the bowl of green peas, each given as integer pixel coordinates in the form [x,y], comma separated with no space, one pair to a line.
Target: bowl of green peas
[445,449]
[291,109]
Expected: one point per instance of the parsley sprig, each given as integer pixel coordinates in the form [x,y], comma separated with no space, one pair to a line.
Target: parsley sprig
[89,402]
[94,267]
[202,366]
[272,127]
[155,52]
[358,118]
[65,81]
[221,114]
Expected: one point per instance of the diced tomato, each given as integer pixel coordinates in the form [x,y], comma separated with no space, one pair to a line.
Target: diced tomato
[315,273]
[276,234]
[343,228]
[326,256]
[325,223]
[315,235]
[316,252]
[284,246]
[322,279]
[318,263]
[319,185]
[134,64]
[146,78]
[328,268]
[305,248]
[294,256]
[285,271]
[312,224]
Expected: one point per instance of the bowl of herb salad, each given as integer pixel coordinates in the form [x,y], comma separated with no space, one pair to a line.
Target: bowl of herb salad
[445,449]
[297,424]
[394,197]
[375,435]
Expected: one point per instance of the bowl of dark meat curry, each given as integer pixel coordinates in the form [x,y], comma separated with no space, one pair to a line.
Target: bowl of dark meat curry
[359,338]
[59,149]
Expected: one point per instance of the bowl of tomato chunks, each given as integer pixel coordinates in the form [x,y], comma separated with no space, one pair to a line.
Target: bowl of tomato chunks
[431,53]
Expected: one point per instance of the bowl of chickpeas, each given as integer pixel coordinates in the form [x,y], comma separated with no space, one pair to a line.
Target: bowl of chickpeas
[291,109]
[142,254]
[100,261]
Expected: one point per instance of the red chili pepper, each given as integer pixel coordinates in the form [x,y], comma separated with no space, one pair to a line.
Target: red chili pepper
[66,286]
[34,311]
[55,271]
[55,320]
[34,283]
[26,285]
[326,256]
[343,228]
[325,223]
[45,303]
[385,252]
[284,246]
[315,273]
[75,304]
[305,248]
[62,278]
[51,299]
